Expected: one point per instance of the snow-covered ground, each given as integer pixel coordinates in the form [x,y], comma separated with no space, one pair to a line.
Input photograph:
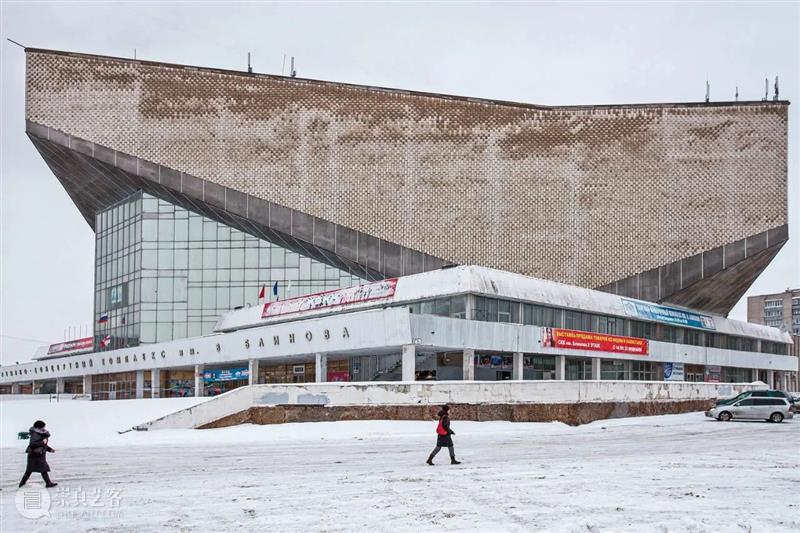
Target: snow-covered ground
[666,473]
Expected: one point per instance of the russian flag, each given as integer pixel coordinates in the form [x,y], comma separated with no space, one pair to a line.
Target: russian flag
[103,318]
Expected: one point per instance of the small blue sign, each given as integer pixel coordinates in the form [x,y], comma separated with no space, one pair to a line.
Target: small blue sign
[226,374]
[668,315]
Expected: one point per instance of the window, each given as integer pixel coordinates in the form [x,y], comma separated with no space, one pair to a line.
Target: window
[493,310]
[613,369]
[578,368]
[643,371]
[544,366]
[644,330]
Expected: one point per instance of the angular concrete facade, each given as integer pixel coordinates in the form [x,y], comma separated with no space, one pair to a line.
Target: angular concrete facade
[684,203]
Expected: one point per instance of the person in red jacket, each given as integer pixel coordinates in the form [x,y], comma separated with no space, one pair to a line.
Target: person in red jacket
[443,437]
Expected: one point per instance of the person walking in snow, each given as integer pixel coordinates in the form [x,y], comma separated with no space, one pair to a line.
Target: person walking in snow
[443,437]
[37,454]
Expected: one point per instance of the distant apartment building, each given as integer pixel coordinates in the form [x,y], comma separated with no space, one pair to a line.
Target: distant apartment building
[781,310]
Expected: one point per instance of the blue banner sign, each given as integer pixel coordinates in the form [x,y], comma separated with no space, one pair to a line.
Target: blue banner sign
[668,315]
[674,372]
[227,374]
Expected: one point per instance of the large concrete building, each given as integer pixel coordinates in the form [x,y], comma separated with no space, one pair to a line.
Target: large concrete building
[678,203]
[211,190]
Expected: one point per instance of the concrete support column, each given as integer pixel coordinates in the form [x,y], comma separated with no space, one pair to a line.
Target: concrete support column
[155,383]
[596,366]
[139,384]
[33,387]
[771,379]
[321,367]
[409,362]
[754,375]
[561,367]
[516,366]
[15,388]
[59,385]
[87,385]
[252,369]
[198,381]
[468,365]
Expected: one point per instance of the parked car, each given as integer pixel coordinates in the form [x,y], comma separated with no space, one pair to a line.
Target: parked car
[771,393]
[773,409]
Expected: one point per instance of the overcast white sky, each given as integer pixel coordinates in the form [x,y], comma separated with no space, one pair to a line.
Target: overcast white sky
[537,52]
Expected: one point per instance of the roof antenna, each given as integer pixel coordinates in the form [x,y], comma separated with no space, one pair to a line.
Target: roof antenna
[737,93]
[134,53]
[775,98]
[15,42]
[708,91]
[283,65]
[766,90]
[249,67]
[292,71]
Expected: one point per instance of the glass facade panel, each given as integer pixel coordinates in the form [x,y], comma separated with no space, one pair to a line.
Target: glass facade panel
[189,270]
[577,368]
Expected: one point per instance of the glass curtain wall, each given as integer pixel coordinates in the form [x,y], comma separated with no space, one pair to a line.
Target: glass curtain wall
[163,272]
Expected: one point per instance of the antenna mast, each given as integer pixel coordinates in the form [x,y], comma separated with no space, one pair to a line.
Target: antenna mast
[249,67]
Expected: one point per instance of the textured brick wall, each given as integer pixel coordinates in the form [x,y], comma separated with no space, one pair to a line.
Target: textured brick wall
[581,195]
[573,414]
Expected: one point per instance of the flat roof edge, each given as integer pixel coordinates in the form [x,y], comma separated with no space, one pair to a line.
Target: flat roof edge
[443,96]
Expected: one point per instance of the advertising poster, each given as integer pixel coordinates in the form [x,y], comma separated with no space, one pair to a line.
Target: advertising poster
[713,374]
[227,374]
[338,375]
[70,346]
[674,372]
[494,361]
[334,298]
[667,315]
[596,342]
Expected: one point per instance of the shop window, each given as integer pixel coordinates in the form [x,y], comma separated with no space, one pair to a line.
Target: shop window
[613,369]
[543,366]
[643,371]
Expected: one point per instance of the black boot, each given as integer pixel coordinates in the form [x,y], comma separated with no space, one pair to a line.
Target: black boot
[429,461]
[453,461]
[47,482]
[24,479]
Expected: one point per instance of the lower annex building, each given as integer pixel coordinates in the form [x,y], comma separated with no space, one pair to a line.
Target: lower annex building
[459,323]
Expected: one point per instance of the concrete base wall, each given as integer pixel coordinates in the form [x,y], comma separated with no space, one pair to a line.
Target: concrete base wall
[573,413]
[568,401]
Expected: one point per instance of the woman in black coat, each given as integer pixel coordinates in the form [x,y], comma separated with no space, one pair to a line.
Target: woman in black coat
[37,454]
[443,437]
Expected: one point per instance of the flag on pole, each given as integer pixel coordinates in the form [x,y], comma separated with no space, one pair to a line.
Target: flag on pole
[262,292]
[275,289]
[105,341]
[103,318]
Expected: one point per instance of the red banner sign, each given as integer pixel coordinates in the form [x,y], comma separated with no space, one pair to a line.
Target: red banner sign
[70,346]
[596,342]
[334,298]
